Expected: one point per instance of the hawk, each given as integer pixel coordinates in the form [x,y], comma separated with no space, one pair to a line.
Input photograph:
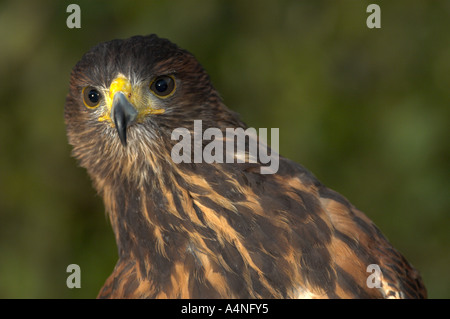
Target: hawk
[210,229]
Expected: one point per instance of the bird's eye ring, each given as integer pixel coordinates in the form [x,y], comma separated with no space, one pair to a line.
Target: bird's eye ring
[91,97]
[163,86]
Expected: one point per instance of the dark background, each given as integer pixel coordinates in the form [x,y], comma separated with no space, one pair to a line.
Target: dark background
[366,110]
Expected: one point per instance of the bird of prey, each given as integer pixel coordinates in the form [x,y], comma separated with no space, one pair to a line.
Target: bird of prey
[210,229]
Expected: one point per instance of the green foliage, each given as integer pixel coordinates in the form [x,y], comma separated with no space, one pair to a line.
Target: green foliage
[366,110]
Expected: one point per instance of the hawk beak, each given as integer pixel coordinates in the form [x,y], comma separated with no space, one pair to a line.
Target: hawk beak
[123,114]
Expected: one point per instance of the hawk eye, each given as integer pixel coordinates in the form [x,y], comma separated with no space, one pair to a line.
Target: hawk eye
[163,86]
[91,97]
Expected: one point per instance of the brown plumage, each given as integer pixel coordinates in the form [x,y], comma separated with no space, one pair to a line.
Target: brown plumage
[210,230]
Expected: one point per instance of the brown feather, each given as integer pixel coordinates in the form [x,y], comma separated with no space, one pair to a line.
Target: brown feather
[216,230]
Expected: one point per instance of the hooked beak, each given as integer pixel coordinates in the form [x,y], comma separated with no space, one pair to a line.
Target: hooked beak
[124,114]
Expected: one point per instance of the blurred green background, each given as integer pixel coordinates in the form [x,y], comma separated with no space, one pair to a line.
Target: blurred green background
[366,110]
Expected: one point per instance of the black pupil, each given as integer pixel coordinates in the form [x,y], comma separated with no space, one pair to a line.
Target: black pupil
[161,85]
[93,96]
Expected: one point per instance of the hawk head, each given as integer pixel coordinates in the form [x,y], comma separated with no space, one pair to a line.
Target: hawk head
[127,96]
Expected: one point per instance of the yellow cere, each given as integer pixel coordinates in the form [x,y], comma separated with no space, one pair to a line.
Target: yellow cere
[134,95]
[120,84]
